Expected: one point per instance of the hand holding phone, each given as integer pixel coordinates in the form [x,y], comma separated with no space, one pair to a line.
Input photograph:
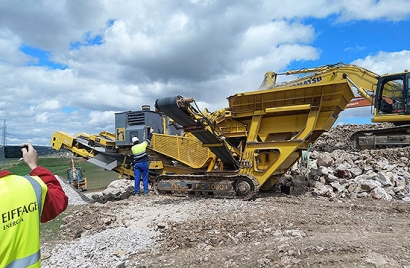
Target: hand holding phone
[24,147]
[30,155]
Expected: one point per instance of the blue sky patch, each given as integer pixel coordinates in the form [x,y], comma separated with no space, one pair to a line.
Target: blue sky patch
[89,40]
[68,110]
[348,41]
[41,58]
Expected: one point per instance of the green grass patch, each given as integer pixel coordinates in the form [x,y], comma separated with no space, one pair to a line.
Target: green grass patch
[97,177]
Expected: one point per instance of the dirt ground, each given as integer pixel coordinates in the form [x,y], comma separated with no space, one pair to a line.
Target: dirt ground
[275,230]
[292,232]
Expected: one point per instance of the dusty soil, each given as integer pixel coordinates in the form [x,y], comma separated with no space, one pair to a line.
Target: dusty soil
[290,232]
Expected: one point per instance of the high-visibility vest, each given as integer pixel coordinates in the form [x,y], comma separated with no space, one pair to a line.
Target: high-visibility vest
[21,205]
[140,151]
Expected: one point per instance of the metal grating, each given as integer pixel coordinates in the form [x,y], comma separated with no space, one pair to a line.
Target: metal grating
[186,150]
[135,118]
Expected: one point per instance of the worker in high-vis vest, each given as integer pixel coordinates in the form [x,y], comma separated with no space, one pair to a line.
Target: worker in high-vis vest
[141,162]
[25,201]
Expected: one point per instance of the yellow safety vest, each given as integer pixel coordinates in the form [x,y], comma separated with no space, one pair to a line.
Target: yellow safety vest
[139,150]
[21,205]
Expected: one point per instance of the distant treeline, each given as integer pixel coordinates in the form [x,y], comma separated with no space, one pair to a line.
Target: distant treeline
[44,150]
[14,151]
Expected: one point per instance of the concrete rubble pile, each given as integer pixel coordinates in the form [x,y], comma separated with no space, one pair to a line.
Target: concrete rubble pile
[116,190]
[333,169]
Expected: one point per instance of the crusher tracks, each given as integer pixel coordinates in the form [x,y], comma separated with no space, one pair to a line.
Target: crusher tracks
[398,136]
[238,186]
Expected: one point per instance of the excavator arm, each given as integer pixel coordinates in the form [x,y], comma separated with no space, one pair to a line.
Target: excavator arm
[332,72]
[389,95]
[365,81]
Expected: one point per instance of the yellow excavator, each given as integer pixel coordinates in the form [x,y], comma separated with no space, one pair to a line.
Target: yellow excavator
[388,94]
[236,151]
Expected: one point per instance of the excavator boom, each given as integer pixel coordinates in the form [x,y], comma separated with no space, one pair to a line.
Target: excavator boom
[388,95]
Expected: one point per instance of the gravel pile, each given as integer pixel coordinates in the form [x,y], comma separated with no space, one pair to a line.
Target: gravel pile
[109,248]
[117,234]
[74,197]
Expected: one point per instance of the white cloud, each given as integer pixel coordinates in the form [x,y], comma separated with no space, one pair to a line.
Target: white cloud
[41,117]
[386,62]
[393,10]
[208,50]
[49,105]
[9,48]
[101,118]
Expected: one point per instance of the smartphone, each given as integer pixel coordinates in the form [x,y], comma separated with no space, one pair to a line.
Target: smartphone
[14,151]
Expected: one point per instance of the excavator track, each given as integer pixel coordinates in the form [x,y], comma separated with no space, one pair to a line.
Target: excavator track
[240,186]
[381,138]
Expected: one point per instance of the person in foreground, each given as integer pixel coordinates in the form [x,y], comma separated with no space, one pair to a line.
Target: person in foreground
[25,201]
[141,162]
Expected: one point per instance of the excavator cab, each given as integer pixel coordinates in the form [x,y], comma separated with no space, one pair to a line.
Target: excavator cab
[392,103]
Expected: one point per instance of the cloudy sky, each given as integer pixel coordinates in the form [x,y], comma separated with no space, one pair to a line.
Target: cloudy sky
[70,65]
